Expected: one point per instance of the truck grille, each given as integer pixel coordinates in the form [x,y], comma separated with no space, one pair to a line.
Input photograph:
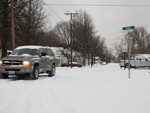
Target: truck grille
[12,62]
[12,69]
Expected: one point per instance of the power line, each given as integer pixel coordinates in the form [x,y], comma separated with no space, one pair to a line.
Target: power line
[101,5]
[52,11]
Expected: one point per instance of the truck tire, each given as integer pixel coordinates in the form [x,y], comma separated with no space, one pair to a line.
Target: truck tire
[126,65]
[135,67]
[4,76]
[35,72]
[52,72]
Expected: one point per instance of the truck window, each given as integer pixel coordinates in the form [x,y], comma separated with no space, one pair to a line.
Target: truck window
[50,52]
[42,50]
[25,51]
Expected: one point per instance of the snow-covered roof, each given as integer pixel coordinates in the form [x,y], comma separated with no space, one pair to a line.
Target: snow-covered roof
[57,50]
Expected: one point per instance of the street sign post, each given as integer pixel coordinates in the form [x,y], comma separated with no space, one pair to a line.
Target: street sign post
[129,47]
[125,50]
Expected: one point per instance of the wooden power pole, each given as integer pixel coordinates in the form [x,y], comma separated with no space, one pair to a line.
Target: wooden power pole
[12,24]
[71,23]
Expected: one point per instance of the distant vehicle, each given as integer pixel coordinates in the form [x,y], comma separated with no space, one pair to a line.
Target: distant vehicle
[75,64]
[141,60]
[29,60]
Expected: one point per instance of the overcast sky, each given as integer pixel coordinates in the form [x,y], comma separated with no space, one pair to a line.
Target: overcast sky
[108,20]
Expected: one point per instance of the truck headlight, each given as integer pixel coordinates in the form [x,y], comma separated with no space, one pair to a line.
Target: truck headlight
[1,63]
[27,63]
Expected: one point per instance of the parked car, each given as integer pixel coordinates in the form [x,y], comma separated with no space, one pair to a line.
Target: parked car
[29,60]
[141,60]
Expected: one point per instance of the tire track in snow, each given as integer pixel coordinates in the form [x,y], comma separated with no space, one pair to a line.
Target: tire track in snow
[28,96]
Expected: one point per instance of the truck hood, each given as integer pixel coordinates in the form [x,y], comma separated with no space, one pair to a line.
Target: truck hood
[21,58]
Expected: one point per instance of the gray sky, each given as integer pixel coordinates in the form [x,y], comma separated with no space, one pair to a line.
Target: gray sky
[107,20]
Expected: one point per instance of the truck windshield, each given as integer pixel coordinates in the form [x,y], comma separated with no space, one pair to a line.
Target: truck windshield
[25,52]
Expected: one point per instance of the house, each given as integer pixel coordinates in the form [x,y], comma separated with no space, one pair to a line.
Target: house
[63,57]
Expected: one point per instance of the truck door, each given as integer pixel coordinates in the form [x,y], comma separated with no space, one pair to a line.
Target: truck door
[138,62]
[51,58]
[43,63]
[144,62]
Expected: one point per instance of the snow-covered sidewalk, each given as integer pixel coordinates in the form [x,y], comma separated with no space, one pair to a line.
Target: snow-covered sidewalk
[101,89]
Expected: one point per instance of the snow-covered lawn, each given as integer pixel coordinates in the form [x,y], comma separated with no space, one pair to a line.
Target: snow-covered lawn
[101,89]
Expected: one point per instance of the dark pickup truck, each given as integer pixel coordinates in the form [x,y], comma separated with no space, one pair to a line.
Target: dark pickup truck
[29,61]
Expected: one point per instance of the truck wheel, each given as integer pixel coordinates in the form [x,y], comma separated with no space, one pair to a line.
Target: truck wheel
[35,72]
[52,72]
[4,75]
[126,65]
[135,67]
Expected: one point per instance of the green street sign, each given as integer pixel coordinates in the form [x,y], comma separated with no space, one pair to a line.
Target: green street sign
[128,28]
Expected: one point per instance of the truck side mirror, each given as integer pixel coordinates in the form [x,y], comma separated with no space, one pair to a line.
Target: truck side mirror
[9,53]
[43,54]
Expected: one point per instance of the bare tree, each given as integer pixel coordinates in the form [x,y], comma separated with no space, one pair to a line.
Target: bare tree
[48,39]
[62,29]
[83,33]
[141,40]
[118,47]
[0,22]
[30,20]
[85,39]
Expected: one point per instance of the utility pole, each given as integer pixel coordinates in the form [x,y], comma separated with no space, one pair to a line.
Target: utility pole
[12,24]
[71,37]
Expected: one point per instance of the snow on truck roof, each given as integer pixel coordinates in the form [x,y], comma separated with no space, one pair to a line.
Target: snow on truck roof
[30,47]
[143,56]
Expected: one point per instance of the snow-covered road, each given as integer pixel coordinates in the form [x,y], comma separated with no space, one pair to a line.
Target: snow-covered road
[101,89]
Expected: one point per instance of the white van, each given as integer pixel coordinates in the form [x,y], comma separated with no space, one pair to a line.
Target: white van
[141,60]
